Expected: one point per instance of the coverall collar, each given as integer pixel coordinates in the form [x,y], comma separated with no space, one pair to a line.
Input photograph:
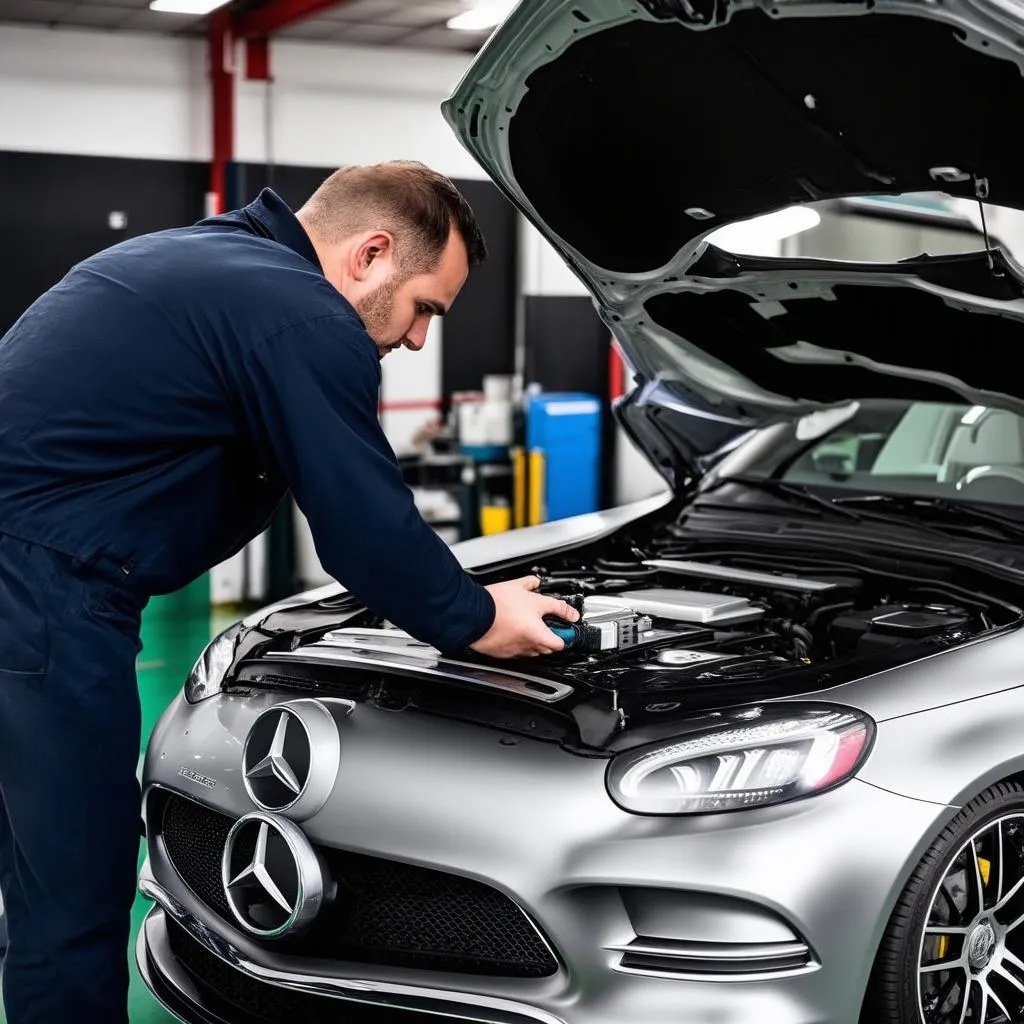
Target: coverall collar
[273,214]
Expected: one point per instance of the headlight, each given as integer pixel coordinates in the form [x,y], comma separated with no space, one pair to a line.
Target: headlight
[207,674]
[750,758]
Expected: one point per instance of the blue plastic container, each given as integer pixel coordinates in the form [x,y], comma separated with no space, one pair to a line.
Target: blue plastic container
[566,427]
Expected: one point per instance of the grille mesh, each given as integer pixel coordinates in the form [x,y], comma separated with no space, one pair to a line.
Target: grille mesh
[195,839]
[385,912]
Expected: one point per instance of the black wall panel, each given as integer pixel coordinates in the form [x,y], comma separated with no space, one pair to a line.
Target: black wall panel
[566,344]
[479,331]
[293,184]
[567,349]
[54,212]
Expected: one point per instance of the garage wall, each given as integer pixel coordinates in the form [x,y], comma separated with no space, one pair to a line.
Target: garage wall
[102,94]
[334,104]
[57,209]
[119,94]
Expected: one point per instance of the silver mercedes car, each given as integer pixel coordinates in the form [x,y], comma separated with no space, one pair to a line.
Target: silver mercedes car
[777,777]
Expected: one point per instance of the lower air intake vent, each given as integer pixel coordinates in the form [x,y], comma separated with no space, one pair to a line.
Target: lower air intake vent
[385,912]
[728,961]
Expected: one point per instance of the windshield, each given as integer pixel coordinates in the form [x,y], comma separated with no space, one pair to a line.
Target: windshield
[873,229]
[956,452]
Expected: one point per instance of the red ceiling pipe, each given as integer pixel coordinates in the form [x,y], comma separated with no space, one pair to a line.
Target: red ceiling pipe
[257,59]
[278,14]
[254,27]
[222,82]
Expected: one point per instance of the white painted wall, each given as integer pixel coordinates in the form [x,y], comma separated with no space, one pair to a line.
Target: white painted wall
[334,104]
[134,95]
[102,94]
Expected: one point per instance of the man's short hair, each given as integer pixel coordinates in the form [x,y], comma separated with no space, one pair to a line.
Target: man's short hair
[406,198]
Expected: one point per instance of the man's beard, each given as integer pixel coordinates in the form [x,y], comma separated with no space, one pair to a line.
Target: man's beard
[376,310]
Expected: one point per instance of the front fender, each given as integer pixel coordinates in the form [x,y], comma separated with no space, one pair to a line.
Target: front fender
[950,754]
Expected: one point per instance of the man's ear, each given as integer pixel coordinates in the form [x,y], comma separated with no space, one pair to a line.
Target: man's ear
[374,248]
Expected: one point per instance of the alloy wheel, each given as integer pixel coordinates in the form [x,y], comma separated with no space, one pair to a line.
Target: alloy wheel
[971,961]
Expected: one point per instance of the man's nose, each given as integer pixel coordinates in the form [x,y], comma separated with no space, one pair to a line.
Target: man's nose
[417,337]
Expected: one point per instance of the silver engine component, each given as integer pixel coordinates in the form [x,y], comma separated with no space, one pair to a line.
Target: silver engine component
[619,628]
[691,606]
[710,571]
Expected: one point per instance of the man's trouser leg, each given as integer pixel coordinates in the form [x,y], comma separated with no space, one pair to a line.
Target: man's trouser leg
[69,796]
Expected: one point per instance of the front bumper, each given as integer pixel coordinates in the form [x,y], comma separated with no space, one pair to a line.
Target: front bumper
[215,983]
[206,980]
[829,869]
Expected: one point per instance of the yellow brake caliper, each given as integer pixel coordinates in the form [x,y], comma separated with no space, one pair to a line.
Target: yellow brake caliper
[985,868]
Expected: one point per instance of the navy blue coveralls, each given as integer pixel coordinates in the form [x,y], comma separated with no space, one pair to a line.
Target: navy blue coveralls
[155,407]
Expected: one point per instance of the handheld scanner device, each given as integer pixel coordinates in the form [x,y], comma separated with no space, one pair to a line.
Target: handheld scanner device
[575,635]
[608,631]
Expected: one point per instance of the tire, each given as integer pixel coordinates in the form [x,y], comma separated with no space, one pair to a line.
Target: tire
[894,994]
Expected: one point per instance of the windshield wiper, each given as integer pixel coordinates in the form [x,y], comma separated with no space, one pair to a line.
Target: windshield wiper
[783,490]
[969,515]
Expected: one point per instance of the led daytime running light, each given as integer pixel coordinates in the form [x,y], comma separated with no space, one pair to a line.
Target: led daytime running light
[802,751]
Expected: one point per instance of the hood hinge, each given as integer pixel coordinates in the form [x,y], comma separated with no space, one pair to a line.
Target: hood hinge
[698,12]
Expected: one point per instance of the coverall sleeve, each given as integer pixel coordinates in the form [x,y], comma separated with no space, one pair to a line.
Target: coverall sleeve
[313,390]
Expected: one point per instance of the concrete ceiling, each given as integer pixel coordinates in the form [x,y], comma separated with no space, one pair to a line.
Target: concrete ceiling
[410,23]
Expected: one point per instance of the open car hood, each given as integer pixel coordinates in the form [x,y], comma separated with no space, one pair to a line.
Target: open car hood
[629,130]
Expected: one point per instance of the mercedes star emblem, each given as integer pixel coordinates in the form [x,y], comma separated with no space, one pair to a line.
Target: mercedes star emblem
[271,875]
[291,756]
[274,764]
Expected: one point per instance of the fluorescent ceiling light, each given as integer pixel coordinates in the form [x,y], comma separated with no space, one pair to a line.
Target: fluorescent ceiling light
[186,6]
[759,236]
[484,14]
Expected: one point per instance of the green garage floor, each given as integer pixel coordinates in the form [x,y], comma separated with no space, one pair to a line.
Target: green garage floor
[174,631]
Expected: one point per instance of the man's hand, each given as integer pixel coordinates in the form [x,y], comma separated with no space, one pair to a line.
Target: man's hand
[519,630]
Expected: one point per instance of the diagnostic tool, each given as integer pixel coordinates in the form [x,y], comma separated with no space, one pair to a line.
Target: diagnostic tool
[611,630]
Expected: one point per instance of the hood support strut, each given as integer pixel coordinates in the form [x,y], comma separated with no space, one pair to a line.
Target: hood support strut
[981,194]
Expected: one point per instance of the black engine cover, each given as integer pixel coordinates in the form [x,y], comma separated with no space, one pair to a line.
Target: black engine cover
[877,629]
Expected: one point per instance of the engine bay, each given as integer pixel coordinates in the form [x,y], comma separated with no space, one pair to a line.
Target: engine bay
[677,614]
[672,622]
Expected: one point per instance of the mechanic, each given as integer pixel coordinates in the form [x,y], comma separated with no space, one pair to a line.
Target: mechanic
[158,404]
